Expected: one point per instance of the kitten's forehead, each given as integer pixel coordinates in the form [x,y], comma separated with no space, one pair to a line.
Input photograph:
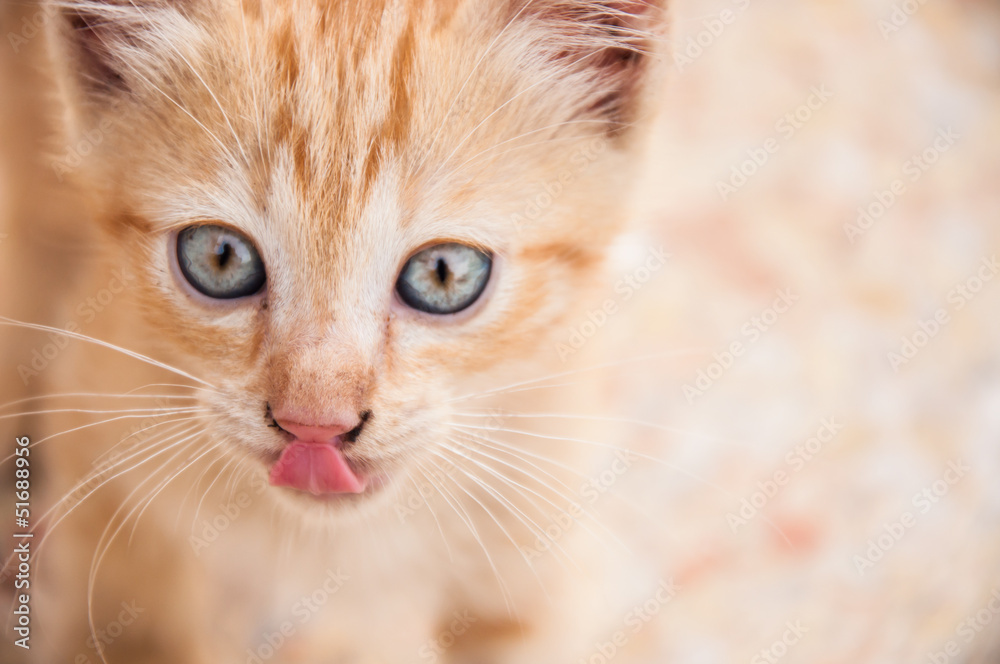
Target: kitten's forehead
[340,85]
[338,93]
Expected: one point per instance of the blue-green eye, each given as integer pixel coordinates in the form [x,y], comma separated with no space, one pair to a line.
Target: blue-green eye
[219,262]
[445,278]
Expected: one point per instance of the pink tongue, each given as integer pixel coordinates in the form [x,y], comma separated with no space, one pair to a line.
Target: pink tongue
[317,468]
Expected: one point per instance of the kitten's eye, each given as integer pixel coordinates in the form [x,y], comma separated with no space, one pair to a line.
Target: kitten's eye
[445,278]
[219,262]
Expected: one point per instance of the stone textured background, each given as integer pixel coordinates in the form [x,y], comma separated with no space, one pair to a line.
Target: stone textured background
[859,294]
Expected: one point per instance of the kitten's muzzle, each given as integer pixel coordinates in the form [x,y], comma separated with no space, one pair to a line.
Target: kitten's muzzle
[313,460]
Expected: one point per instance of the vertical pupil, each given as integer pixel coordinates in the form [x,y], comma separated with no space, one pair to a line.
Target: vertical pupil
[442,270]
[224,254]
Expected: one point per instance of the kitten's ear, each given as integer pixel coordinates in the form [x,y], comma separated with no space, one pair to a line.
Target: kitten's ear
[107,43]
[610,43]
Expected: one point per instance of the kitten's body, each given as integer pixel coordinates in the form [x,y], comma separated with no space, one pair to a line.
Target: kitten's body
[341,138]
[404,570]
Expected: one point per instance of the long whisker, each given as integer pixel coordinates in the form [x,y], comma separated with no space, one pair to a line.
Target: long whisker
[420,469]
[211,93]
[187,494]
[570,499]
[573,372]
[45,539]
[135,524]
[103,548]
[476,442]
[160,422]
[136,412]
[460,510]
[597,418]
[519,452]
[82,337]
[80,428]
[166,444]
[677,469]
[607,446]
[522,491]
[493,516]
[205,493]
[50,528]
[241,468]
[178,385]
[94,395]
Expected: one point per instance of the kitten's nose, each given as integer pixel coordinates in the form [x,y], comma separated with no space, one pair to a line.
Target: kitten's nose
[312,432]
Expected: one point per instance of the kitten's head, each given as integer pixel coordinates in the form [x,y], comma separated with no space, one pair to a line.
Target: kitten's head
[339,211]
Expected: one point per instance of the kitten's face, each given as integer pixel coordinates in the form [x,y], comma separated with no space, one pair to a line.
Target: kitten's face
[335,141]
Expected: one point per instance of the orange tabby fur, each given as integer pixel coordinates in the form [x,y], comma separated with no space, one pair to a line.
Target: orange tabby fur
[341,138]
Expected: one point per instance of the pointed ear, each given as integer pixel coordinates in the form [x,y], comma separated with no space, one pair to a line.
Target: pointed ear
[611,43]
[103,42]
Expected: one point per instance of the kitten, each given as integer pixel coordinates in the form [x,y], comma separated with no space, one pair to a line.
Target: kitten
[347,233]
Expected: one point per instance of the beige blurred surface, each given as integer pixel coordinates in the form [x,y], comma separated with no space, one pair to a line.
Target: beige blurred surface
[859,293]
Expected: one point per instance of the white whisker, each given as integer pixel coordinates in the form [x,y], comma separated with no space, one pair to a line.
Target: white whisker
[641,455]
[613,420]
[82,337]
[573,372]
[459,509]
[571,500]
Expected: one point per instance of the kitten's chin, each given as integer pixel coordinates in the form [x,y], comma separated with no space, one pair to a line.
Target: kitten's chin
[339,509]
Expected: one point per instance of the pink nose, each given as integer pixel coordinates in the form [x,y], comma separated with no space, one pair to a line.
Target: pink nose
[315,433]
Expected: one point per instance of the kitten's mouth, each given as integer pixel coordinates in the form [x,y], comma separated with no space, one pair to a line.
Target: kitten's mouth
[320,469]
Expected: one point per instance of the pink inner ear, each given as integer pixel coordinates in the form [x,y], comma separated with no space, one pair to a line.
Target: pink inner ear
[95,36]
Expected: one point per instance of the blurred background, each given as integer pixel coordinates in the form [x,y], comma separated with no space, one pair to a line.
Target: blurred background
[824,177]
